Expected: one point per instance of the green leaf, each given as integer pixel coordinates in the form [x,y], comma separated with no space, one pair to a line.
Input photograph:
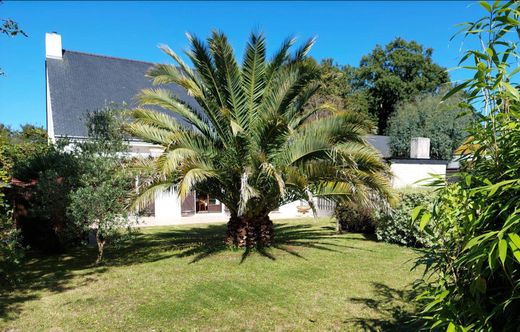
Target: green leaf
[485,5]
[468,180]
[512,90]
[516,253]
[455,90]
[416,211]
[451,327]
[424,220]
[515,238]
[502,250]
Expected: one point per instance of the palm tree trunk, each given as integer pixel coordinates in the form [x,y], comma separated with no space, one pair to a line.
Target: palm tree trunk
[250,231]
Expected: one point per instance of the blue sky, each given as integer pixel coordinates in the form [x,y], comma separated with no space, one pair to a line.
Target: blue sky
[345,31]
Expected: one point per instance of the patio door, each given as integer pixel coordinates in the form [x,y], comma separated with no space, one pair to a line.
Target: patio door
[205,203]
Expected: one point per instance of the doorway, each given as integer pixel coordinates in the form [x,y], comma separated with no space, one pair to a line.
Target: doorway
[205,203]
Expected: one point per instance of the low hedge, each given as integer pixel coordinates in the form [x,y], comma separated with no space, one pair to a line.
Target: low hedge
[397,226]
[355,218]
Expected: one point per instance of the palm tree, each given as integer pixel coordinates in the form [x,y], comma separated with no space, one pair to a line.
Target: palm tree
[254,145]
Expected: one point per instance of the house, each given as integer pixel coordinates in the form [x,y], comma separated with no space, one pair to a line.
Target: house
[77,83]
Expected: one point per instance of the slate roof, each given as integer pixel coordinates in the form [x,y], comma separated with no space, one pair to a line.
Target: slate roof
[80,83]
[381,143]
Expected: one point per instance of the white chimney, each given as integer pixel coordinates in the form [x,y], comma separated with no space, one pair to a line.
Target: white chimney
[420,148]
[53,48]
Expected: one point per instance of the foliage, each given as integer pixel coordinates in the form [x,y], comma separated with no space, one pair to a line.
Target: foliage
[474,265]
[54,173]
[355,218]
[250,144]
[100,201]
[10,249]
[19,146]
[12,150]
[398,72]
[337,87]
[444,122]
[397,227]
[100,204]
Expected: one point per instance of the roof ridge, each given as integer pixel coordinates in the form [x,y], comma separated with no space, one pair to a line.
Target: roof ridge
[110,57]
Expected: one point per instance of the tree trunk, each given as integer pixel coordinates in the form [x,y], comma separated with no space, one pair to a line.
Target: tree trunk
[339,229]
[247,231]
[101,246]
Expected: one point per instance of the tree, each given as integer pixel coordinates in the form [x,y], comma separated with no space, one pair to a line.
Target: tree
[398,72]
[444,122]
[101,200]
[249,145]
[337,87]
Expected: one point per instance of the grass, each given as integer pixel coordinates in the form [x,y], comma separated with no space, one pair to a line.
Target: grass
[184,278]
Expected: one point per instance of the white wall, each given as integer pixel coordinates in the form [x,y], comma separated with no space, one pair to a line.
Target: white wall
[406,173]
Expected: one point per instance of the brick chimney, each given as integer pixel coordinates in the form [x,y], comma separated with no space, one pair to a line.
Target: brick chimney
[420,148]
[53,48]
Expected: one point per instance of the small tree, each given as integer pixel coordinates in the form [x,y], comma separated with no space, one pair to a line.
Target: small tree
[101,200]
[445,123]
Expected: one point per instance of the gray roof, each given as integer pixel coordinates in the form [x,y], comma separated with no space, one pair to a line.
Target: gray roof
[381,143]
[81,83]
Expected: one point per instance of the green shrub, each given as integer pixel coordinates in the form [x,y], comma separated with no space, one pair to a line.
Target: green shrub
[473,279]
[397,227]
[10,250]
[355,218]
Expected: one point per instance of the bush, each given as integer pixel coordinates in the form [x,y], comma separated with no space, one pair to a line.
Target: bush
[10,249]
[397,227]
[355,218]
[473,268]
[56,174]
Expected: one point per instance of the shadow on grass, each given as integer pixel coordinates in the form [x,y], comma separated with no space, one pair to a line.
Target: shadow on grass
[52,273]
[394,306]
[58,273]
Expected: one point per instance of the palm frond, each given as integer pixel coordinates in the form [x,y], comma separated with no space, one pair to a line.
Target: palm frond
[150,133]
[253,74]
[229,76]
[167,100]
[191,176]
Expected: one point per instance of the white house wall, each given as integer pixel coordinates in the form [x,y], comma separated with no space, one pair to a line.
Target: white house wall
[416,173]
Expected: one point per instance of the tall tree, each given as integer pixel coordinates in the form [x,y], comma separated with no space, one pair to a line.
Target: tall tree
[251,147]
[337,87]
[398,72]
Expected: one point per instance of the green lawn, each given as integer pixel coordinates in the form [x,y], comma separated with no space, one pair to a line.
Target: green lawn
[184,278]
